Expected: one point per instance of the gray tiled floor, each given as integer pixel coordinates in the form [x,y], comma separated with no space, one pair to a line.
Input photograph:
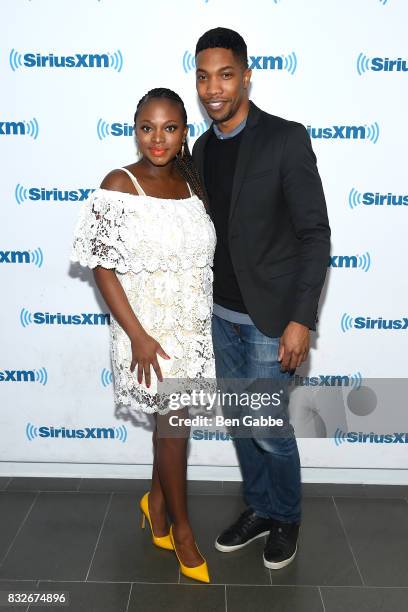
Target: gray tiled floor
[83,536]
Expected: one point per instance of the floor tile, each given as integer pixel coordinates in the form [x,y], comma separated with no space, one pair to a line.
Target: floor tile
[177,597]
[323,556]
[13,511]
[88,596]
[43,484]
[364,599]
[115,484]
[4,480]
[273,599]
[211,515]
[58,537]
[354,490]
[378,531]
[126,552]
[232,487]
[204,487]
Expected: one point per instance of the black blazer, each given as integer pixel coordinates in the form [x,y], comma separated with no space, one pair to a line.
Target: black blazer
[278,234]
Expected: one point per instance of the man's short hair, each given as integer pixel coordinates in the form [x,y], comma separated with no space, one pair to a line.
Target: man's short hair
[225,39]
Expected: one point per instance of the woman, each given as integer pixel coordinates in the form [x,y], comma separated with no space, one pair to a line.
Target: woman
[150,242]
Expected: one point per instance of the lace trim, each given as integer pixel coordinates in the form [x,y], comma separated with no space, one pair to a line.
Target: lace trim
[128,236]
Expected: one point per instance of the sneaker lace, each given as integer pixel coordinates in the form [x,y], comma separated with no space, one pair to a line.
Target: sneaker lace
[244,521]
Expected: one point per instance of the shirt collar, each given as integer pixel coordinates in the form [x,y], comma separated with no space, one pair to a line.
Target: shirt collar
[225,135]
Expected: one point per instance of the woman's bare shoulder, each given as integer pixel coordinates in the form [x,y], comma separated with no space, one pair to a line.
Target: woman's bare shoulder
[117,180]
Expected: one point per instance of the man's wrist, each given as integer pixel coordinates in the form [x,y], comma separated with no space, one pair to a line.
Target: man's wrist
[301,324]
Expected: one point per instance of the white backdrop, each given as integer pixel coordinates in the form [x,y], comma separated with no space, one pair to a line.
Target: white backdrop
[72,72]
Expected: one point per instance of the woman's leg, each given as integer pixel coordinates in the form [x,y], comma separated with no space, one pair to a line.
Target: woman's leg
[172,470]
[157,502]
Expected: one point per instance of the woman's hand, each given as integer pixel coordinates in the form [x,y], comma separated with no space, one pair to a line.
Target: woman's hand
[144,354]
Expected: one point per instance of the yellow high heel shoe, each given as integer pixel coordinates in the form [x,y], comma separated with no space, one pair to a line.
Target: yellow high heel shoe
[162,541]
[199,572]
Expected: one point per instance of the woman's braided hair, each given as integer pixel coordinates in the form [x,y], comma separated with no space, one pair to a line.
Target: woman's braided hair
[184,162]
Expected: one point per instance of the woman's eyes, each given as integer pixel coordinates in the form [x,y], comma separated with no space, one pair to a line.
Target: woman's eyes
[168,128]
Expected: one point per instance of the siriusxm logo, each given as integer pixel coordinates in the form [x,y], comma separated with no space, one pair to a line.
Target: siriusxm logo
[34,257]
[188,61]
[108,60]
[42,194]
[18,376]
[196,129]
[346,132]
[205,434]
[347,322]
[380,64]
[104,129]
[282,62]
[45,318]
[106,377]
[370,198]
[363,262]
[86,433]
[274,62]
[20,128]
[362,437]
[328,380]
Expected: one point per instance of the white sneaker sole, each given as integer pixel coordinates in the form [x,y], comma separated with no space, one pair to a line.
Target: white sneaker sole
[279,564]
[228,549]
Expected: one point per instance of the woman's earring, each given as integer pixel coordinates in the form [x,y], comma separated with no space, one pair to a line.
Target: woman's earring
[182,149]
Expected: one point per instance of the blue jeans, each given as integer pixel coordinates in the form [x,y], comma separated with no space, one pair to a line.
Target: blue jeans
[270,466]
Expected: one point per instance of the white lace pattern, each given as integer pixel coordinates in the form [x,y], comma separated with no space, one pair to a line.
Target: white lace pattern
[162,251]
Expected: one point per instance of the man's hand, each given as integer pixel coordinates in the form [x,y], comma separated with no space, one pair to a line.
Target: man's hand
[293,346]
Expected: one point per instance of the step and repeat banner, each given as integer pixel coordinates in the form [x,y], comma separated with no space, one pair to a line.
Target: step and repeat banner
[71,73]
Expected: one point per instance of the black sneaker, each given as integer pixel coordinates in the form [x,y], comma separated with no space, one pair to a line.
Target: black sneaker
[281,545]
[247,528]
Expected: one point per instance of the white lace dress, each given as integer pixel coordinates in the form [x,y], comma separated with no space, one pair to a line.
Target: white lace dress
[162,251]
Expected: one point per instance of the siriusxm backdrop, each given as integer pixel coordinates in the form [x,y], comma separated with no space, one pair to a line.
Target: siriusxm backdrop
[71,74]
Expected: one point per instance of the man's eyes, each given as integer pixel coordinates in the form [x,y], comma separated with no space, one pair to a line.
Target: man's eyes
[225,75]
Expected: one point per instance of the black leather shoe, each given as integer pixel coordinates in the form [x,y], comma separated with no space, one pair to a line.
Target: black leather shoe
[281,545]
[247,528]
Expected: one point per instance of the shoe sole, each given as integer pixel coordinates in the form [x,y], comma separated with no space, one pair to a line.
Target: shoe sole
[228,549]
[279,564]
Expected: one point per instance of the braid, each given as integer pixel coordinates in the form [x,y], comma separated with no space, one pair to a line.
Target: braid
[184,163]
[189,172]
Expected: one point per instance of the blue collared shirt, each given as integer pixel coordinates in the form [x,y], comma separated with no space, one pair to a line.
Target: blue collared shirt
[232,133]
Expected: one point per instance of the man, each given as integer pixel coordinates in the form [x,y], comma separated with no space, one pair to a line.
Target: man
[273,240]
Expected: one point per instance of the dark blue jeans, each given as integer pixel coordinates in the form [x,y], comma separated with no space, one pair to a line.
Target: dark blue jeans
[270,466]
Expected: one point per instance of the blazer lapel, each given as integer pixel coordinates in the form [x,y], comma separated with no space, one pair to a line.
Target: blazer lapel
[244,154]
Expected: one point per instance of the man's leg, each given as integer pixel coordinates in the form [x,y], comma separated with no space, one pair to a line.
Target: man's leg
[282,483]
[230,363]
[281,476]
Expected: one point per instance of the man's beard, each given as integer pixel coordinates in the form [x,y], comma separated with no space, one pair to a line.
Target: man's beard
[228,115]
